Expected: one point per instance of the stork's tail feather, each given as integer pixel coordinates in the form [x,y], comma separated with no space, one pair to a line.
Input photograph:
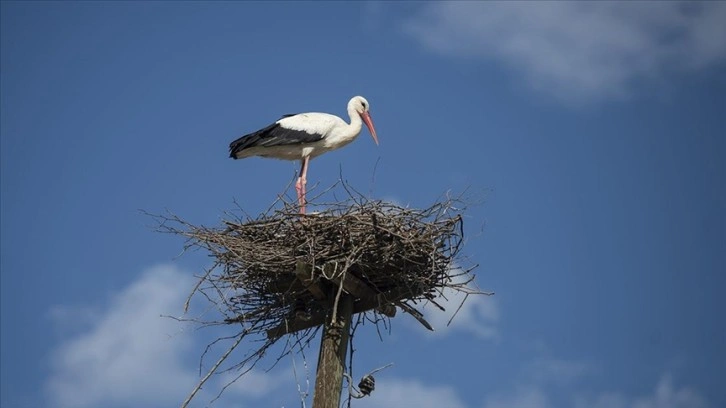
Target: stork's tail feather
[248,141]
[237,146]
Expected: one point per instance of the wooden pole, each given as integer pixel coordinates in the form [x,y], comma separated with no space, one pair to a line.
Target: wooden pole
[333,349]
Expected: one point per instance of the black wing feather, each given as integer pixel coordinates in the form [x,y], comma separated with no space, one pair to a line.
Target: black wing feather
[273,135]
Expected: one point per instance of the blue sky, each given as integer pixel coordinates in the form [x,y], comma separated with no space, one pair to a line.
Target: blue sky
[595,132]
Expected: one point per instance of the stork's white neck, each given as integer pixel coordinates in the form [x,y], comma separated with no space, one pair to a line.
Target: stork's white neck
[352,130]
[342,135]
[356,123]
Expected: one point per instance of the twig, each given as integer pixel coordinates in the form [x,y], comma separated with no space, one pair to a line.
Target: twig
[212,370]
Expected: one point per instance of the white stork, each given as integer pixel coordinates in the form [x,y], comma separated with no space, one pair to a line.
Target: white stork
[304,136]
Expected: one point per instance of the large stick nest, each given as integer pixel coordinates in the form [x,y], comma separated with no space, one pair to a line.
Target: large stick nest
[279,272]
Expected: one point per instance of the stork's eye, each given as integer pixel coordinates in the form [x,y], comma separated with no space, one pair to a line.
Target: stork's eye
[364,105]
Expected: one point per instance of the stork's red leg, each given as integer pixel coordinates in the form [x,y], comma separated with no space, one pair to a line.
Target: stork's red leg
[298,189]
[301,184]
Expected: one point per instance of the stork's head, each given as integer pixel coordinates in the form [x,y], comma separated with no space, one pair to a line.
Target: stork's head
[361,106]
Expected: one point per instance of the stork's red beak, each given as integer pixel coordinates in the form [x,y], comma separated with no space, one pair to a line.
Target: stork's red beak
[369,122]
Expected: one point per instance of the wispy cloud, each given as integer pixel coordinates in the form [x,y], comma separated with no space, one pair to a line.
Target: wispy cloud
[395,393]
[579,51]
[535,390]
[547,370]
[522,397]
[372,14]
[665,395]
[130,355]
[478,315]
[126,354]
[257,384]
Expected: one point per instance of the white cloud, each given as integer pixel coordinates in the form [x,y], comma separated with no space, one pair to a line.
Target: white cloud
[372,14]
[131,355]
[523,397]
[256,383]
[579,51]
[558,372]
[70,319]
[664,396]
[536,392]
[127,354]
[479,315]
[395,393]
